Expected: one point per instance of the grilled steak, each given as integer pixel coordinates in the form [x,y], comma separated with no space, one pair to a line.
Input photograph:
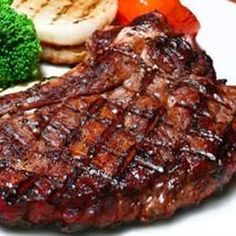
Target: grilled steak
[139,130]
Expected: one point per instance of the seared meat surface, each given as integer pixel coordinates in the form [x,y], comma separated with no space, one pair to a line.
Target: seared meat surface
[138,131]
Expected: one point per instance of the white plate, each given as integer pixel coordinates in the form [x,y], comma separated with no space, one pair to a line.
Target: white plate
[216,216]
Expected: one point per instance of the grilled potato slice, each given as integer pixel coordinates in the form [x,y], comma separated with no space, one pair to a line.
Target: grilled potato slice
[67,22]
[61,55]
[63,26]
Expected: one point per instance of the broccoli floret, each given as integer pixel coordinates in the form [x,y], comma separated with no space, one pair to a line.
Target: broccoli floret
[7,2]
[19,47]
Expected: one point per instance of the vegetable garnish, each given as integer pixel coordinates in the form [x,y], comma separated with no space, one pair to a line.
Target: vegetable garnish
[19,47]
[181,18]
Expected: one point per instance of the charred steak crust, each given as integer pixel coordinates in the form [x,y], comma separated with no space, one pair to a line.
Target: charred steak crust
[139,130]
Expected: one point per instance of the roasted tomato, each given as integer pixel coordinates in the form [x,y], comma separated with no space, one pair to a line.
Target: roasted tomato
[181,18]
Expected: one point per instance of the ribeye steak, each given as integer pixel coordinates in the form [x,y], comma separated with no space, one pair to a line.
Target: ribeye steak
[137,131]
